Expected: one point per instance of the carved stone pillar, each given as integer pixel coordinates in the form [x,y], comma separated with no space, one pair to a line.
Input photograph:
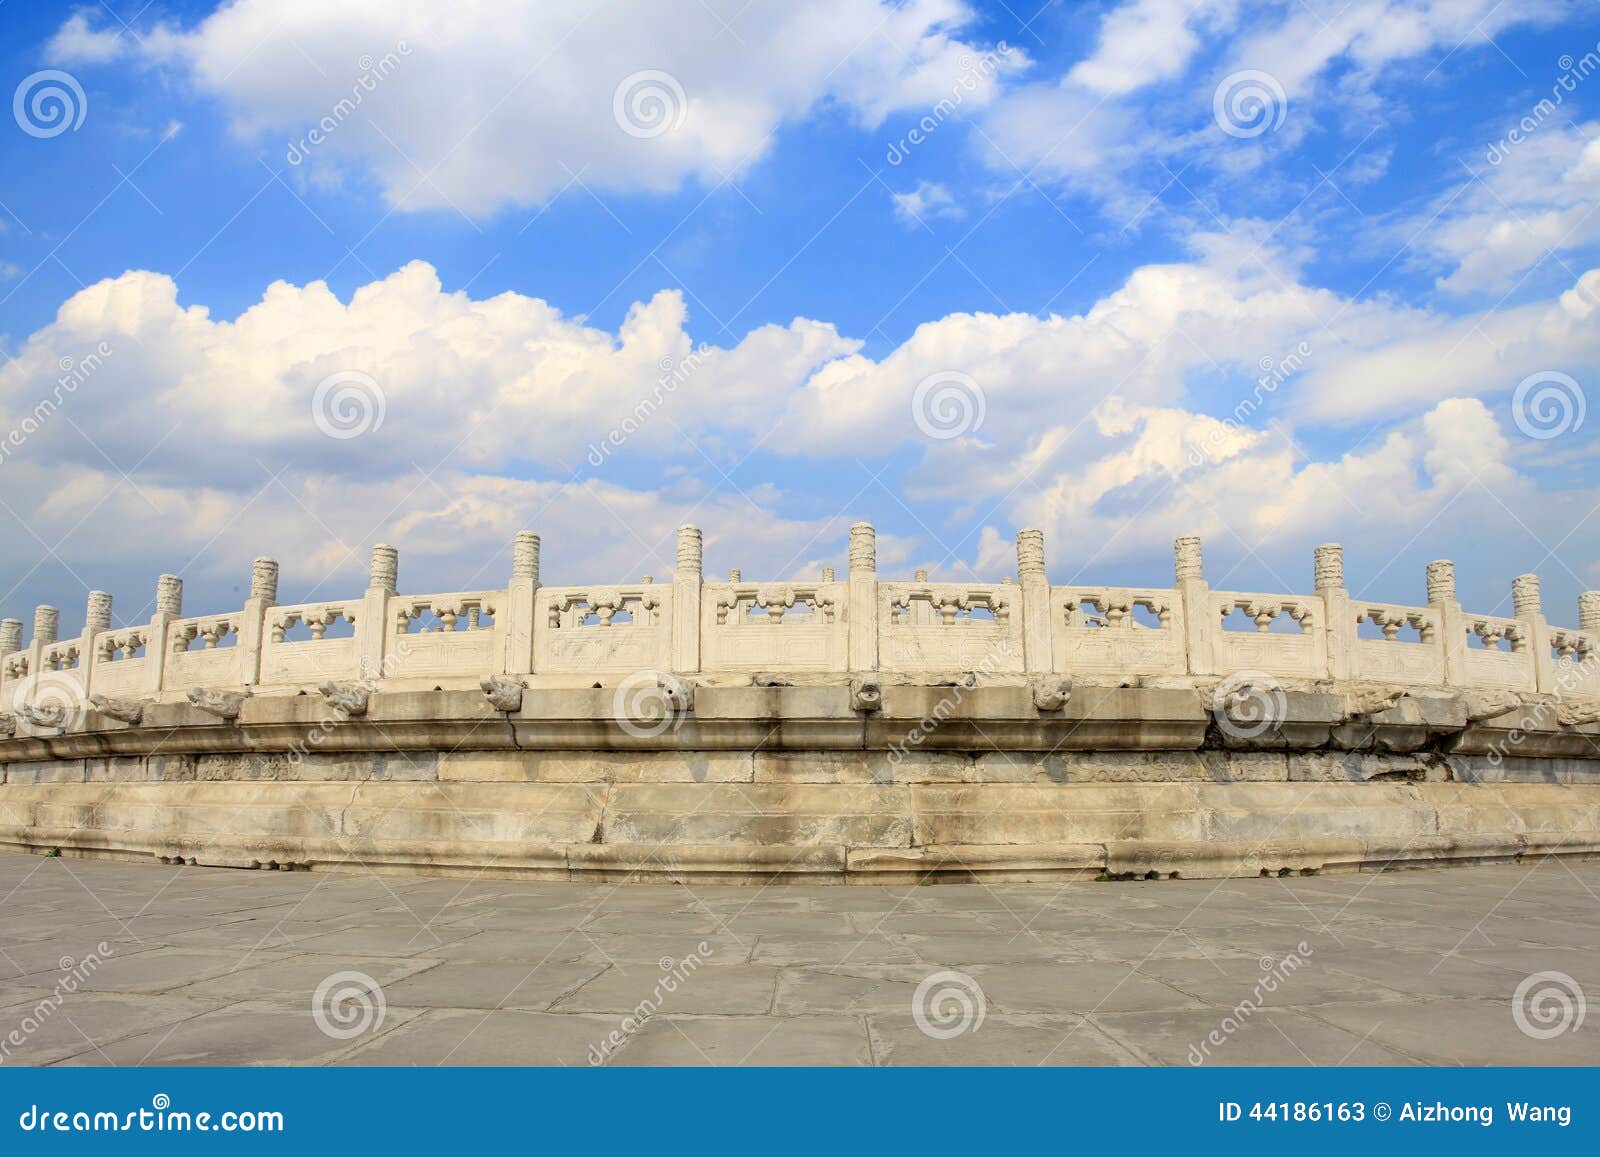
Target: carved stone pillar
[1037,644]
[686,580]
[521,597]
[1441,577]
[252,621]
[1199,629]
[10,636]
[46,623]
[157,648]
[373,628]
[1527,607]
[1588,613]
[96,618]
[863,610]
[1327,569]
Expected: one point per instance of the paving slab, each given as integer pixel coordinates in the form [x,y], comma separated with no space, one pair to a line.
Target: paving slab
[213,966]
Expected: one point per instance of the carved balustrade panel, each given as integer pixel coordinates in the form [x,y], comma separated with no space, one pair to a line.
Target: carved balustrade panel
[774,626]
[1411,649]
[120,661]
[1577,661]
[445,635]
[295,647]
[204,653]
[1284,636]
[603,628]
[950,626]
[1117,629]
[1498,653]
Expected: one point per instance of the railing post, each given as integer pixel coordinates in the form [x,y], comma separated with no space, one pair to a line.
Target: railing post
[372,629]
[252,621]
[1452,623]
[1034,587]
[169,606]
[1340,629]
[521,596]
[96,618]
[686,578]
[1189,573]
[1588,613]
[46,622]
[863,602]
[10,644]
[1527,607]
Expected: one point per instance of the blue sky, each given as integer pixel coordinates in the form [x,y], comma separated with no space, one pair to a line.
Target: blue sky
[1094,254]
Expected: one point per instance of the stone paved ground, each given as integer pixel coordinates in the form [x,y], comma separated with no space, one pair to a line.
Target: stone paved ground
[211,966]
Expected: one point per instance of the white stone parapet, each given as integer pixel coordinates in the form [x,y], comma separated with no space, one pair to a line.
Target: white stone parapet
[828,630]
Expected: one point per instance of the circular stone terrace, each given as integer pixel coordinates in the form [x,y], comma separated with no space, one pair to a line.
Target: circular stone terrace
[836,730]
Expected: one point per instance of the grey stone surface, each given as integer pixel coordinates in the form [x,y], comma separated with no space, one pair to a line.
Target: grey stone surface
[123,963]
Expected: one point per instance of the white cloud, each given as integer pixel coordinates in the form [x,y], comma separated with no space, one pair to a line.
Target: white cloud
[1116,428]
[483,106]
[927,202]
[1535,198]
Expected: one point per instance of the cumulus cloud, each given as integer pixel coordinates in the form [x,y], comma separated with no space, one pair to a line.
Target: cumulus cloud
[1219,394]
[478,106]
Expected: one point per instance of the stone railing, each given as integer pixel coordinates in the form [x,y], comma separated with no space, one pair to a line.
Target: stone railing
[688,628]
